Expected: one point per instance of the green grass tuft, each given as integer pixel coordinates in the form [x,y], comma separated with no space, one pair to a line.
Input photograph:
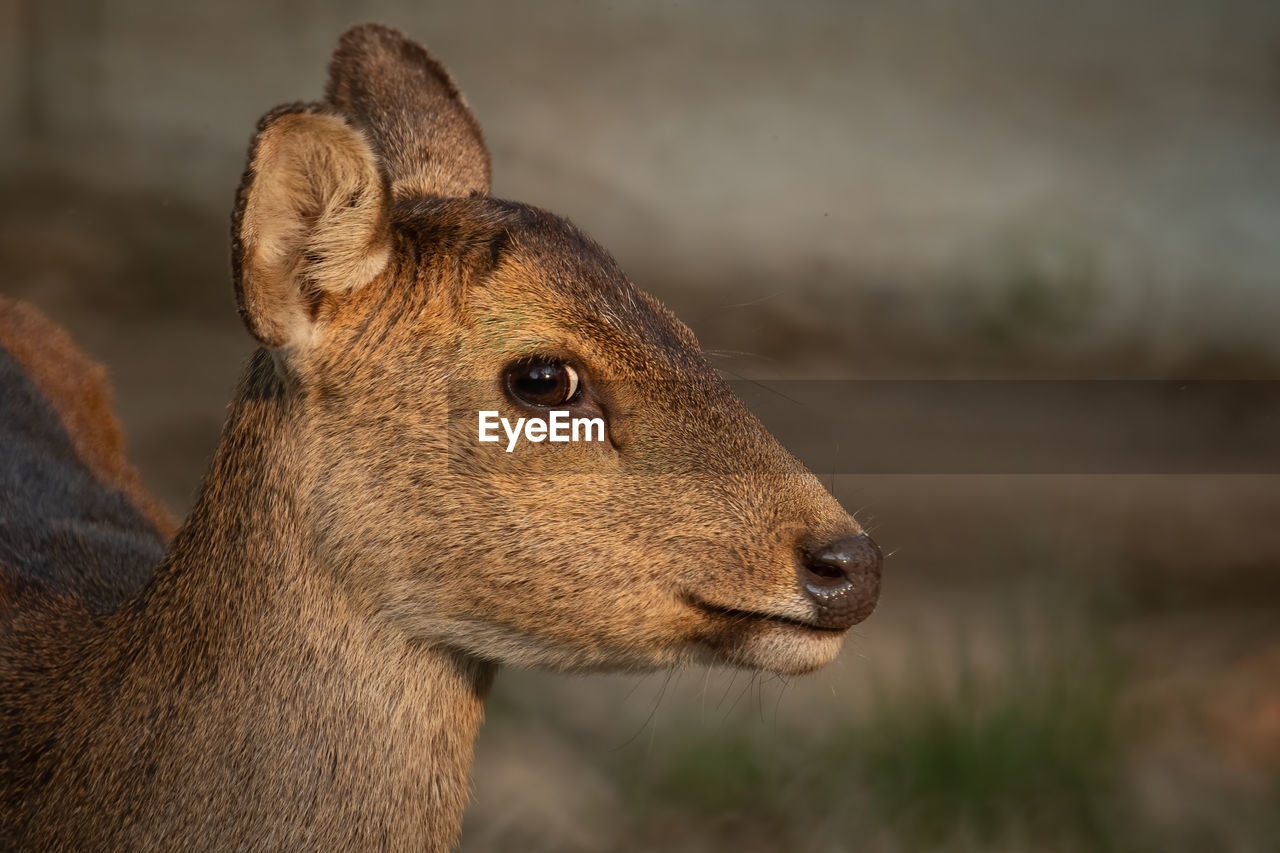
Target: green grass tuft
[1033,751]
[1022,752]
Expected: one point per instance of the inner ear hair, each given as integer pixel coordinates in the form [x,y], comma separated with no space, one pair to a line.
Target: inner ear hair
[311,219]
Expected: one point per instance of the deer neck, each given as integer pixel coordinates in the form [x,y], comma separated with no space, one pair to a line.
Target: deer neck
[301,702]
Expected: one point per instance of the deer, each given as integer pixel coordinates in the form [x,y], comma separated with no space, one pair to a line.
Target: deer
[304,663]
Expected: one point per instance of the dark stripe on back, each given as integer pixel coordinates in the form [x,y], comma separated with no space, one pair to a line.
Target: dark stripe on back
[59,526]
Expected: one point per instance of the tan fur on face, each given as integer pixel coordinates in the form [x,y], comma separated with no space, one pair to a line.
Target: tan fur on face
[311,219]
[580,556]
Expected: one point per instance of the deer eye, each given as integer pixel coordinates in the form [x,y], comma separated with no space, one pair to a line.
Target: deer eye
[542,382]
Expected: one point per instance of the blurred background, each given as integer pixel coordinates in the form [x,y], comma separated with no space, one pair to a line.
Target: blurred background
[836,190]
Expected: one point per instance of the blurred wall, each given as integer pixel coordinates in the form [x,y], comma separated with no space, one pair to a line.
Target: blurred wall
[1123,156]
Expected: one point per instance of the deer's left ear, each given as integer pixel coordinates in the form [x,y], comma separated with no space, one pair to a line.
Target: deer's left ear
[311,219]
[426,137]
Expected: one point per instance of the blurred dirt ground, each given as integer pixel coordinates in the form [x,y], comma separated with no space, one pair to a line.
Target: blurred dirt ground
[1058,662]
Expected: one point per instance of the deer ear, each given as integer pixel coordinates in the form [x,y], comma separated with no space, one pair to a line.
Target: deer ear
[429,141]
[311,219]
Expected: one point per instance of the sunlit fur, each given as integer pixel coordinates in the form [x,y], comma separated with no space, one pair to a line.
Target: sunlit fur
[307,667]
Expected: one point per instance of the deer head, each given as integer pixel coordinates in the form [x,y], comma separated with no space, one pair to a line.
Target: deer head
[397,299]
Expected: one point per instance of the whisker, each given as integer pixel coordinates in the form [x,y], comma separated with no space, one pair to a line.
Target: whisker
[653,731]
[732,678]
[760,384]
[748,304]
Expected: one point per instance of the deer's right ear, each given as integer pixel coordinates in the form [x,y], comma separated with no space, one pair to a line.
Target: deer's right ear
[311,219]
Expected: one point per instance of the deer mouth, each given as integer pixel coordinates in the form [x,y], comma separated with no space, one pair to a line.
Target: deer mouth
[740,616]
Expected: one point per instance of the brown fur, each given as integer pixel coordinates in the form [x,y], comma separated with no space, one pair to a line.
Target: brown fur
[80,393]
[308,666]
[378,78]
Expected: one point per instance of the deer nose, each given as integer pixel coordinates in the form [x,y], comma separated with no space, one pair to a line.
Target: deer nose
[843,580]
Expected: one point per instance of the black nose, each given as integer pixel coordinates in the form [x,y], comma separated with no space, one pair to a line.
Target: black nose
[843,579]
